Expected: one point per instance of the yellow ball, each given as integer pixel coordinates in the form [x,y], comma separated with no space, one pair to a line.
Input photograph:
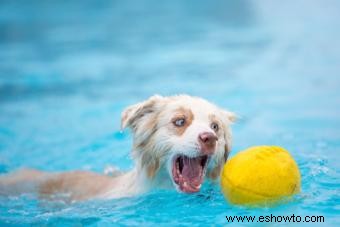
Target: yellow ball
[260,175]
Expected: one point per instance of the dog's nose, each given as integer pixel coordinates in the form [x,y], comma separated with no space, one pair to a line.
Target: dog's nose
[208,142]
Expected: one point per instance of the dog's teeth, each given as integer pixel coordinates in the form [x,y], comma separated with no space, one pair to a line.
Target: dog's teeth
[198,186]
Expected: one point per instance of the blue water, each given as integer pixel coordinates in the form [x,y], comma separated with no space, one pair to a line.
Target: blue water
[68,68]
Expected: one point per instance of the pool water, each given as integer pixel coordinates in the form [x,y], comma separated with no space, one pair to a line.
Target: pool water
[68,69]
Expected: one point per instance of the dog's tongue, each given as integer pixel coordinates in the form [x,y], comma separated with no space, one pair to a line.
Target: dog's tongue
[192,174]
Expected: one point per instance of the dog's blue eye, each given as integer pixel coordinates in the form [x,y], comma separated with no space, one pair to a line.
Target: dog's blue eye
[179,122]
[214,126]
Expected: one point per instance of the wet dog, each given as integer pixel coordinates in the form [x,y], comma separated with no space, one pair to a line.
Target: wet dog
[178,141]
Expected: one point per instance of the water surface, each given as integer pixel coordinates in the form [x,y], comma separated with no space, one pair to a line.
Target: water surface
[68,69]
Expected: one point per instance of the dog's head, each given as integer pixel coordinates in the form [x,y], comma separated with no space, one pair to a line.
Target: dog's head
[179,139]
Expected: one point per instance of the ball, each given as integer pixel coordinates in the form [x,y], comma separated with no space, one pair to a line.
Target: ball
[260,175]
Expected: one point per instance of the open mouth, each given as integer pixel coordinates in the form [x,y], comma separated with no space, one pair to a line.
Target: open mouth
[188,173]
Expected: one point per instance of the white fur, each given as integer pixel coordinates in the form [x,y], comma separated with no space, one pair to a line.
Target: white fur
[155,145]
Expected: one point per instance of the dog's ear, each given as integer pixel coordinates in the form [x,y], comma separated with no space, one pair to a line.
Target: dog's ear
[132,114]
[215,172]
[226,152]
[230,116]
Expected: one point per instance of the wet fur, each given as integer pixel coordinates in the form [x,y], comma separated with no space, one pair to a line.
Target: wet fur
[155,141]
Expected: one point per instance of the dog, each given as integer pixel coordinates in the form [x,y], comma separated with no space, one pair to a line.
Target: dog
[178,141]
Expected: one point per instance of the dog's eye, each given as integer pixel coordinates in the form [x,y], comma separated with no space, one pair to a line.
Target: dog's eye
[179,122]
[214,126]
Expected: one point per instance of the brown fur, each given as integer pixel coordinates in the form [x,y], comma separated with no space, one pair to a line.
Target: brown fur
[144,147]
[222,132]
[152,168]
[215,172]
[133,114]
[140,113]
[150,161]
[149,123]
[226,152]
[214,119]
[76,185]
[187,115]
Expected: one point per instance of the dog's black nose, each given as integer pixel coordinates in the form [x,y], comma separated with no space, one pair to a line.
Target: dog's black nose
[208,142]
